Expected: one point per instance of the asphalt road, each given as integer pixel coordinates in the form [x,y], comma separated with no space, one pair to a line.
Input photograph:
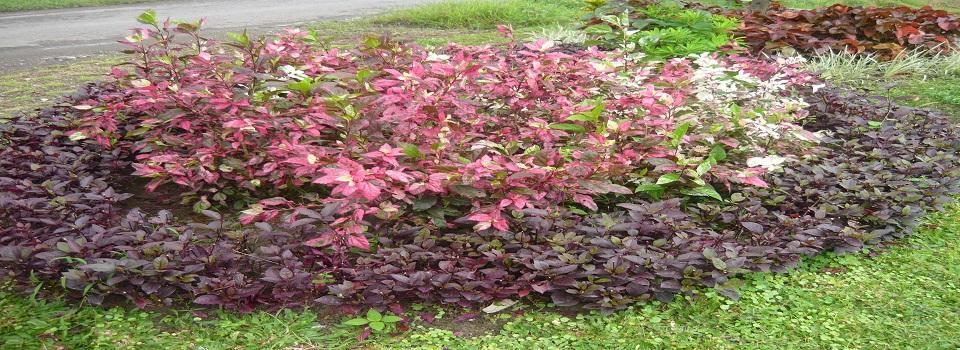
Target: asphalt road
[42,37]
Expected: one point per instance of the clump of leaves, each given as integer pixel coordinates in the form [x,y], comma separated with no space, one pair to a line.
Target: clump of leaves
[886,31]
[658,30]
[375,321]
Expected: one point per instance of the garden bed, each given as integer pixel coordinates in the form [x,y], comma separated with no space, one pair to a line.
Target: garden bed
[470,175]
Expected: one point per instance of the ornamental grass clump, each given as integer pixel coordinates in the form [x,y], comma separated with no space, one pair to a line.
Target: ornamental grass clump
[470,174]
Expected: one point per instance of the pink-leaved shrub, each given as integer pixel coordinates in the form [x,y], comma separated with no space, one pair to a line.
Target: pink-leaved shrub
[393,134]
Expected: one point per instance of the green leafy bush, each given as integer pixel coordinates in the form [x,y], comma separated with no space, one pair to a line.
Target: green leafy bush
[659,31]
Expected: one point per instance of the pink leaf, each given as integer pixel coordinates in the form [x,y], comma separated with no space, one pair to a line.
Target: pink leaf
[755,181]
[359,241]
[236,124]
[586,201]
[542,287]
[399,176]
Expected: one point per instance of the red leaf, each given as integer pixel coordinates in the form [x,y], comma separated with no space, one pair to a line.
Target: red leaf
[906,30]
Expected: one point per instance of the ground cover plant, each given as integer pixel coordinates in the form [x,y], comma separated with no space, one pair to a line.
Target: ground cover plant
[851,301]
[886,31]
[670,209]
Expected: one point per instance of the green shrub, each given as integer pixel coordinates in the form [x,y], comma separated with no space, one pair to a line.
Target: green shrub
[658,31]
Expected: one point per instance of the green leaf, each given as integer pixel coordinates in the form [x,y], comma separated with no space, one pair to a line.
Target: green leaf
[468,191]
[704,191]
[719,264]
[304,87]
[709,253]
[391,319]
[677,135]
[577,211]
[653,190]
[374,315]
[363,74]
[424,203]
[438,216]
[599,29]
[148,17]
[582,118]
[718,154]
[240,38]
[668,178]
[356,322]
[704,167]
[592,116]
[649,188]
[411,151]
[371,42]
[378,326]
[567,127]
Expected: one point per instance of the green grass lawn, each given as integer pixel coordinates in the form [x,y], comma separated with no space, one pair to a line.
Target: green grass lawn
[27,5]
[906,296]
